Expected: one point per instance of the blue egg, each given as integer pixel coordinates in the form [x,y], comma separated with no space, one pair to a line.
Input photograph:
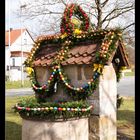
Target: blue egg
[94,77]
[96,73]
[86,85]
[55,108]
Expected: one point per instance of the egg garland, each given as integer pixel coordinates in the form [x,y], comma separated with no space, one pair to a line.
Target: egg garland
[30,108]
[57,70]
[64,38]
[77,109]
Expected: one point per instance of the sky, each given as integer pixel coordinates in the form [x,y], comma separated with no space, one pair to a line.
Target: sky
[12,21]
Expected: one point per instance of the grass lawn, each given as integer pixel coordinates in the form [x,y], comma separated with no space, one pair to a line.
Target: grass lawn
[125,120]
[17,84]
[13,121]
[129,74]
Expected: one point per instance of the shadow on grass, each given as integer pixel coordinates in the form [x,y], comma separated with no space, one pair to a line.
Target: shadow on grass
[126,115]
[12,131]
[122,136]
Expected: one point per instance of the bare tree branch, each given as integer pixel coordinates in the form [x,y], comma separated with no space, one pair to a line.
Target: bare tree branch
[107,24]
[104,13]
[99,17]
[128,26]
[120,12]
[104,3]
[117,15]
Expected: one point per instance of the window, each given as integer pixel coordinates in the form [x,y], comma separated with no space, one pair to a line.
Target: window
[25,41]
[13,61]
[7,68]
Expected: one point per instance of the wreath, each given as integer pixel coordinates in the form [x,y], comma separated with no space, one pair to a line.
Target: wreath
[67,26]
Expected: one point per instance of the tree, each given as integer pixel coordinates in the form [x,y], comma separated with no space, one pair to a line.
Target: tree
[103,14]
[131,56]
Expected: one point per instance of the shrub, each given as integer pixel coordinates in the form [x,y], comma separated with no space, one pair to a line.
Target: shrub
[119,101]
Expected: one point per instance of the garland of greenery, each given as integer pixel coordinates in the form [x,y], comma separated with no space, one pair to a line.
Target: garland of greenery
[30,108]
[107,47]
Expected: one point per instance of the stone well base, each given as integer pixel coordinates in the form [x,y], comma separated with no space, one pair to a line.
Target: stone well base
[61,130]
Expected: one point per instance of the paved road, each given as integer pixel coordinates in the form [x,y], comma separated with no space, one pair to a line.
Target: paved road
[19,92]
[125,87]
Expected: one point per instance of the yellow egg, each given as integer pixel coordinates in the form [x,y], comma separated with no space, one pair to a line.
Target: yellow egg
[64,109]
[77,31]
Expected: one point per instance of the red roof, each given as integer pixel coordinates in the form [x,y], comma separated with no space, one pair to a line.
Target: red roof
[80,54]
[14,34]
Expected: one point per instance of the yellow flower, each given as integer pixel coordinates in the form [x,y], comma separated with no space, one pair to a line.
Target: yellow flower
[29,70]
[63,35]
[77,31]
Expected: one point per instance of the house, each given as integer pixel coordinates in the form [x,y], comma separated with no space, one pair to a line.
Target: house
[16,42]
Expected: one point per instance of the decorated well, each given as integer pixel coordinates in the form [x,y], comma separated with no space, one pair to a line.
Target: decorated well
[74,76]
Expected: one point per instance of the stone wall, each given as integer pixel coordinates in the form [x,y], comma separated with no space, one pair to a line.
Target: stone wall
[62,130]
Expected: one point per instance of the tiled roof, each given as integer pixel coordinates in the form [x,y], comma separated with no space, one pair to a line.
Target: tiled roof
[80,54]
[83,51]
[14,34]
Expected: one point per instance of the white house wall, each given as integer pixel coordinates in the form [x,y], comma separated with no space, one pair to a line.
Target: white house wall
[7,56]
[17,61]
[16,46]
[15,74]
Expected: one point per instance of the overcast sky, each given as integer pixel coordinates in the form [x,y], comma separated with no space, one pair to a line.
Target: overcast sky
[11,8]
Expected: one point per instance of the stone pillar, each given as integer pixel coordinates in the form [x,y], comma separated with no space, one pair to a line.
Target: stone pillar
[102,123]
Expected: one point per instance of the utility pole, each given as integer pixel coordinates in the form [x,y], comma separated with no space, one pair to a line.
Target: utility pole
[22,73]
[9,41]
